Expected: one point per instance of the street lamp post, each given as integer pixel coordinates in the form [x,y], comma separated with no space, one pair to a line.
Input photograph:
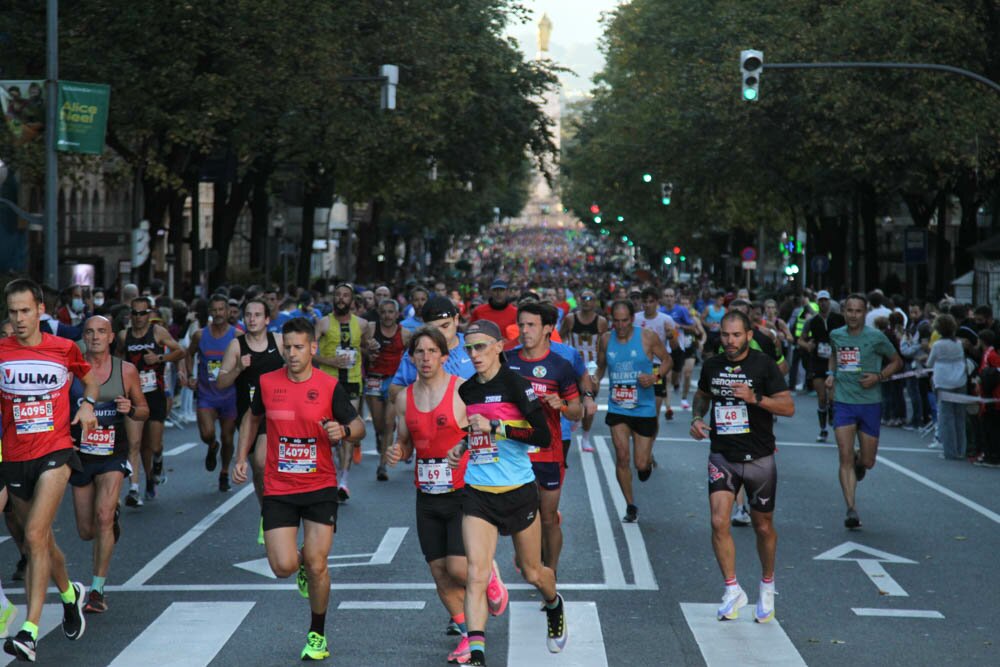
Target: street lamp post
[51,226]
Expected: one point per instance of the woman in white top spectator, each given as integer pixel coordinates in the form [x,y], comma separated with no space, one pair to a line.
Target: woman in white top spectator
[947,359]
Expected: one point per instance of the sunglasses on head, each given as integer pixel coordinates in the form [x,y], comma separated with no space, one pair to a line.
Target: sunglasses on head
[587,298]
[476,347]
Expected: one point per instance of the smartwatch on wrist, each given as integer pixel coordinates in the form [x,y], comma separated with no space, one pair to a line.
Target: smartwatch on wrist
[494,425]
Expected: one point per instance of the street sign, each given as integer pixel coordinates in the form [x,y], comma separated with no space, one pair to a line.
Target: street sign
[915,246]
[820,264]
[749,265]
[748,254]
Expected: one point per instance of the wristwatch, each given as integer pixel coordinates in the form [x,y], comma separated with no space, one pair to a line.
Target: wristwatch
[494,425]
[92,401]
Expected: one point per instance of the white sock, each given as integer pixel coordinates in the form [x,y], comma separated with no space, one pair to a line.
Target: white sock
[343,477]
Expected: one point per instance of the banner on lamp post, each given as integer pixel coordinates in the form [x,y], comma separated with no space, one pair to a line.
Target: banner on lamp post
[83,117]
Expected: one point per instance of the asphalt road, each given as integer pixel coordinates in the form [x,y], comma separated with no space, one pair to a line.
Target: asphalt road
[188,586]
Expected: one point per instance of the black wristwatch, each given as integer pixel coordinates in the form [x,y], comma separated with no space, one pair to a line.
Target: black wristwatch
[588,394]
[494,425]
[347,432]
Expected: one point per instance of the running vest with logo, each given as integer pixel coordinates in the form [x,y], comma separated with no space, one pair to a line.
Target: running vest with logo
[625,362]
[248,381]
[109,438]
[340,340]
[584,338]
[210,353]
[390,352]
[150,376]
[433,434]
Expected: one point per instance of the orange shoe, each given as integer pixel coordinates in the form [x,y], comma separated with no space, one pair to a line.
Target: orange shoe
[356,457]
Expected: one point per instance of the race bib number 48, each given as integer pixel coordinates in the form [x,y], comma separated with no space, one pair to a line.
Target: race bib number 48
[731,420]
[296,455]
[33,415]
[849,359]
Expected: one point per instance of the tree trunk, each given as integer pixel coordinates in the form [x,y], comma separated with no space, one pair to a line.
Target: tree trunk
[968,234]
[309,199]
[260,210]
[941,249]
[230,198]
[368,233]
[869,210]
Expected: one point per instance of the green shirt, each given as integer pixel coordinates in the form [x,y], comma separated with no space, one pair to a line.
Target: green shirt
[865,352]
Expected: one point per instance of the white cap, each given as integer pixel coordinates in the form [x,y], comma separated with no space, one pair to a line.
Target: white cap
[823,294]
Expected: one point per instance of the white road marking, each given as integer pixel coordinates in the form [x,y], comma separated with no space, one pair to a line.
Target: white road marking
[642,569]
[180,449]
[739,642]
[383,555]
[168,554]
[526,645]
[974,506]
[362,586]
[872,567]
[898,613]
[52,615]
[610,561]
[203,627]
[381,605]
[832,446]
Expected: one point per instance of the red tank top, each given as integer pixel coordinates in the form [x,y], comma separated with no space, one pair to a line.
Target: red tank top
[433,435]
[389,355]
[298,458]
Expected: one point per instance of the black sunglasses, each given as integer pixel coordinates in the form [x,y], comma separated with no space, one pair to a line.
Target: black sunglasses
[139,313]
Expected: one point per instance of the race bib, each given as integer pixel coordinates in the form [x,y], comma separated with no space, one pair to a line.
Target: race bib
[849,359]
[33,414]
[147,379]
[482,449]
[373,385]
[731,419]
[823,350]
[253,392]
[624,395]
[296,455]
[99,442]
[213,370]
[350,353]
[434,475]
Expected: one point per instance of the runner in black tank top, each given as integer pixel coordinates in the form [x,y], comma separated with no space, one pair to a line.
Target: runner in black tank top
[248,381]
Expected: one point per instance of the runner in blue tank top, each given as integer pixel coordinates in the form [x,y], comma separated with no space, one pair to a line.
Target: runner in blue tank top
[213,403]
[627,353]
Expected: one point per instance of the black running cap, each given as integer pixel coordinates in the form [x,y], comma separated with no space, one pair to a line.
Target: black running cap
[485,327]
[438,308]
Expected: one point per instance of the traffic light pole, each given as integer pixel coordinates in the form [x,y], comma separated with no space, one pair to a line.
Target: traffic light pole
[51,226]
[888,65]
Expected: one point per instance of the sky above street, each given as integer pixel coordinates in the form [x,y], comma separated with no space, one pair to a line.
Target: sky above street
[576,30]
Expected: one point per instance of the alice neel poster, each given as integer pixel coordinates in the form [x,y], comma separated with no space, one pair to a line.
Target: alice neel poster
[83,113]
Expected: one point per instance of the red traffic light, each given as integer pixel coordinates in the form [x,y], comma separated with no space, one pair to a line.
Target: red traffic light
[595,209]
[677,250]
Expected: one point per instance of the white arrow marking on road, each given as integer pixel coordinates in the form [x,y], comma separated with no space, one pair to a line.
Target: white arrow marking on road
[898,613]
[180,449]
[872,567]
[383,555]
[381,605]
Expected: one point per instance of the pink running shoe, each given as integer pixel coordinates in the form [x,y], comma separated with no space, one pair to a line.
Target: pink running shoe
[496,592]
[461,654]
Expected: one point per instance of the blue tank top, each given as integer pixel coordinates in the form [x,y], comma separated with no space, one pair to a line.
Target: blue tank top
[625,362]
[714,316]
[210,353]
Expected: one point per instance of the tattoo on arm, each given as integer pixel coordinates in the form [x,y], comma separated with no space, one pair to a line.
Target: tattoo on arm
[701,404]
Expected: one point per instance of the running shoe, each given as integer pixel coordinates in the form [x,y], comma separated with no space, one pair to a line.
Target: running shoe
[453,630]
[8,612]
[73,623]
[21,646]
[343,493]
[133,499]
[852,520]
[822,436]
[315,648]
[586,445]
[734,598]
[150,490]
[22,563]
[158,470]
[764,612]
[496,593]
[461,654]
[859,468]
[356,454]
[558,632]
[631,514]
[669,414]
[302,580]
[986,463]
[210,456]
[477,660]
[740,517]
[223,483]
[381,474]
[260,531]
[96,604]
[117,526]
[685,405]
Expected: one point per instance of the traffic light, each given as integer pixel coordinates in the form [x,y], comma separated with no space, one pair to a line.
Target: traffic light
[647,178]
[621,218]
[598,220]
[666,190]
[751,65]
[595,209]
[677,250]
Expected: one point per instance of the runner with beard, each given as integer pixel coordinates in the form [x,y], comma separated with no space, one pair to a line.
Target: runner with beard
[744,388]
[581,329]
[498,309]
[388,342]
[341,337]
